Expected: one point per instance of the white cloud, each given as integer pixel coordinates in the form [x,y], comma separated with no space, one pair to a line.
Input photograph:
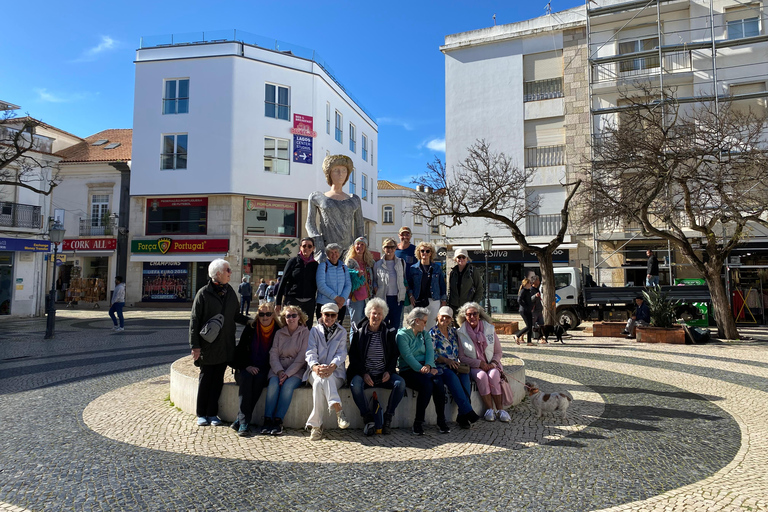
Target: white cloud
[106,44]
[436,145]
[394,121]
[50,97]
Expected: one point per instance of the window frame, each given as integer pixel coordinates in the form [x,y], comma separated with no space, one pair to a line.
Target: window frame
[339,127]
[388,208]
[364,150]
[364,188]
[640,63]
[276,157]
[742,24]
[352,138]
[276,104]
[328,117]
[265,205]
[352,183]
[175,154]
[96,220]
[176,97]
[202,202]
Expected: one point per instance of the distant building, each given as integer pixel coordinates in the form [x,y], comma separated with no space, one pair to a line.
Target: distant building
[395,205]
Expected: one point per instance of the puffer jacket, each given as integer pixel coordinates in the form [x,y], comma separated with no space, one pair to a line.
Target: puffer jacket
[381,279]
[206,305]
[332,281]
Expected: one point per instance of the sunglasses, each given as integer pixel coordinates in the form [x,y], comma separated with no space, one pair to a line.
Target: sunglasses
[390,246]
[228,270]
[461,257]
[425,251]
[292,315]
[473,314]
[263,314]
[330,314]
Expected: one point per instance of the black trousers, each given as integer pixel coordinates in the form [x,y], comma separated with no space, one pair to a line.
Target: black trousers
[426,387]
[308,307]
[249,392]
[528,319]
[209,386]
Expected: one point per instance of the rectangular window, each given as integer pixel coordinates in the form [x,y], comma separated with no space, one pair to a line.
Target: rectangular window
[371,153]
[277,103]
[756,105]
[747,27]
[365,147]
[99,210]
[328,118]
[352,187]
[417,219]
[352,138]
[182,216]
[364,197]
[176,96]
[276,155]
[174,154]
[435,227]
[339,128]
[388,215]
[271,218]
[642,63]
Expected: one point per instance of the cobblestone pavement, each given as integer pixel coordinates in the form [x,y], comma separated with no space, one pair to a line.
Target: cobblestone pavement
[87,425]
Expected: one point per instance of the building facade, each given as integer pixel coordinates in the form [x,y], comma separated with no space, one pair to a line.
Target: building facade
[228,143]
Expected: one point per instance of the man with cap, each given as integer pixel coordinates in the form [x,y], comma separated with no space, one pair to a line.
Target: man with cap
[641,317]
[464,284]
[405,250]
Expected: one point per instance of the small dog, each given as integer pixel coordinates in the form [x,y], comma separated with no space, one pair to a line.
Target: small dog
[558,331]
[549,402]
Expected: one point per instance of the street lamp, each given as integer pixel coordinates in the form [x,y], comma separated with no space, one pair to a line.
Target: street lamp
[487,244]
[56,232]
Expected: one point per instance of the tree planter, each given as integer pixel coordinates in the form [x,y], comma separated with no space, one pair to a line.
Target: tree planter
[660,335]
[505,327]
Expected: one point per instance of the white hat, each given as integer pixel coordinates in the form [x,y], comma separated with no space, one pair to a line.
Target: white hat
[445,311]
[331,307]
[461,252]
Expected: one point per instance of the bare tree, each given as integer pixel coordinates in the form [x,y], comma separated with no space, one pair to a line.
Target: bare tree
[23,161]
[695,174]
[488,185]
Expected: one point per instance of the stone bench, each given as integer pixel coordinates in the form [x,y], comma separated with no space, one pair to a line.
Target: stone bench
[184,381]
[506,327]
[608,329]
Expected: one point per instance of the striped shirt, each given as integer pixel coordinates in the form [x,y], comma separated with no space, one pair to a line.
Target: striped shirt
[374,360]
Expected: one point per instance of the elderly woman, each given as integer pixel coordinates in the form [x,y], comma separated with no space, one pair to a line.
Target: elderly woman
[479,347]
[217,297]
[525,305]
[372,362]
[287,367]
[426,282]
[446,341]
[360,259]
[417,368]
[333,282]
[252,361]
[389,282]
[464,283]
[299,285]
[326,353]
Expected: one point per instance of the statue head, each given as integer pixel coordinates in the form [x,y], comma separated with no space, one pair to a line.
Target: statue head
[332,161]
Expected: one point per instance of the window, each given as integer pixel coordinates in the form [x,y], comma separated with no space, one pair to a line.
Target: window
[270,218]
[352,187]
[99,210]
[276,155]
[176,98]
[435,226]
[642,63]
[388,214]
[365,147]
[417,219]
[174,151]
[562,280]
[352,138]
[277,102]
[328,118]
[371,153]
[364,197]
[183,216]
[743,21]
[339,129]
[756,105]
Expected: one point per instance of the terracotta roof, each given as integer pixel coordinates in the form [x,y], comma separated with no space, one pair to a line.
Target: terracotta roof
[388,185]
[86,152]
[44,125]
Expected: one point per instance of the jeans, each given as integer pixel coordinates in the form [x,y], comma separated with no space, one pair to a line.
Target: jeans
[209,386]
[528,319]
[250,390]
[279,397]
[245,304]
[395,383]
[424,385]
[395,315]
[356,314]
[117,307]
[459,386]
[632,324]
[651,281]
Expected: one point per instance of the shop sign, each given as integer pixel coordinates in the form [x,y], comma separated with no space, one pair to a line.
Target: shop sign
[302,125]
[302,138]
[506,256]
[175,202]
[89,244]
[167,245]
[165,282]
[261,204]
[24,244]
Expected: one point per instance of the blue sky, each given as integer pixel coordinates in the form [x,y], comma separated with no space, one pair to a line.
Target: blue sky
[73,67]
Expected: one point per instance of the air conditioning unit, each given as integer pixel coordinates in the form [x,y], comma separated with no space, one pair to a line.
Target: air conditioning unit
[734,261]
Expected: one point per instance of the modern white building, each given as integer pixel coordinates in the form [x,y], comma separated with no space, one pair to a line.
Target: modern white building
[396,211]
[229,134]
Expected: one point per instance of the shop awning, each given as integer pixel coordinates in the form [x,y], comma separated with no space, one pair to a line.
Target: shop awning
[209,256]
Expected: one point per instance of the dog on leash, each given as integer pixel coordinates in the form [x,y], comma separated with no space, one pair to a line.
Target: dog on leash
[546,331]
[548,402]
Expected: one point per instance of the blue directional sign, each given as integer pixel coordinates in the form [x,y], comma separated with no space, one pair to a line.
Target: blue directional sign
[302,149]
[24,244]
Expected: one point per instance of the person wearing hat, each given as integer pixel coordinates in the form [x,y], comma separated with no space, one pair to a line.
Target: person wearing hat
[464,284]
[360,261]
[641,317]
[405,251]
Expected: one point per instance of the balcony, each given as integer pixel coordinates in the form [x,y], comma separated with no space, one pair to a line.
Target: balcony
[15,215]
[543,225]
[543,89]
[544,156]
[95,226]
[640,66]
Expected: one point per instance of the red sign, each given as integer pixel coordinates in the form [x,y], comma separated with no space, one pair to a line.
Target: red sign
[302,125]
[167,245]
[89,244]
[259,204]
[175,202]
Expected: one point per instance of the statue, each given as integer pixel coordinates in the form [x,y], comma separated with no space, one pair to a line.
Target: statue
[340,214]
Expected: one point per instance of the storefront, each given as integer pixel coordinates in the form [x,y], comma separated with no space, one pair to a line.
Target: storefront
[88,269]
[21,279]
[270,237]
[748,282]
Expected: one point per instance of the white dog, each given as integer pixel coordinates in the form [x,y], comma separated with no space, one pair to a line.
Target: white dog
[549,402]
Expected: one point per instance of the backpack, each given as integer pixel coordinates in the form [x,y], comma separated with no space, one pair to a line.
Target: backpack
[378,413]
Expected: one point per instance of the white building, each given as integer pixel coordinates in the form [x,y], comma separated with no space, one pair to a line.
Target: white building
[396,205]
[228,142]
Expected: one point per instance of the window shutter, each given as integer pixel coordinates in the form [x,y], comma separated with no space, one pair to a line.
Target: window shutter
[544,132]
[541,66]
[742,13]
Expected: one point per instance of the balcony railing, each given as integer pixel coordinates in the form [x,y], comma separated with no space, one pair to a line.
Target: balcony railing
[15,215]
[641,66]
[95,226]
[543,89]
[543,225]
[545,156]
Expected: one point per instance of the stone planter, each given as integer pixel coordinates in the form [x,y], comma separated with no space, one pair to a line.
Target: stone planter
[506,327]
[608,329]
[660,335]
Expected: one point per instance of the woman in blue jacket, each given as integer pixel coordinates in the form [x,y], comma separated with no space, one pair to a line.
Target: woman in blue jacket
[333,282]
[426,282]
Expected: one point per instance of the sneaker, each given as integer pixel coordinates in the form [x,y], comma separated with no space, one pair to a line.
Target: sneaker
[490,415]
[463,422]
[442,425]
[418,428]
[235,425]
[266,429]
[341,419]
[369,429]
[114,328]
[630,337]
[472,417]
[316,434]
[387,426]
[202,421]
[215,421]
[277,428]
[244,430]
[504,416]
[119,329]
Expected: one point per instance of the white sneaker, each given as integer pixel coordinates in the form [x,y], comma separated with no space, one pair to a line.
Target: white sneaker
[114,327]
[119,329]
[341,419]
[504,416]
[316,434]
[490,415]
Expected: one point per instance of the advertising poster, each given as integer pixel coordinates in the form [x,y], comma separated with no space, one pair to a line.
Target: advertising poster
[302,138]
[165,282]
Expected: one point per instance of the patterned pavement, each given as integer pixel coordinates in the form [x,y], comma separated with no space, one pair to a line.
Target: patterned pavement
[87,425]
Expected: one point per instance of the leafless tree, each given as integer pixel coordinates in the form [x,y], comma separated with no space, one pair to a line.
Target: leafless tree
[487,185]
[23,156]
[695,174]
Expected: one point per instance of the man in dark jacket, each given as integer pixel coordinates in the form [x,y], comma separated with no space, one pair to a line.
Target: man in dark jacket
[217,297]
[641,317]
[245,292]
[652,270]
[298,286]
[464,283]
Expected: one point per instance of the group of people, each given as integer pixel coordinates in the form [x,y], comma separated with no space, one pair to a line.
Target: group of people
[531,308]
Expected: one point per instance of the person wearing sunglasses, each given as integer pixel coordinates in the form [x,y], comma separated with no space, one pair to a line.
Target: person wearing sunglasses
[333,282]
[287,366]
[464,283]
[298,286]
[360,263]
[217,297]
[426,282]
[252,361]
[389,283]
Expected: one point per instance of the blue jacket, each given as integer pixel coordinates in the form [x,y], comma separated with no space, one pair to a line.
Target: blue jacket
[332,281]
[436,285]
[643,313]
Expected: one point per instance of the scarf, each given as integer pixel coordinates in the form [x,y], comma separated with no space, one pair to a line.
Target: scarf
[307,260]
[266,332]
[478,337]
[329,331]
[220,289]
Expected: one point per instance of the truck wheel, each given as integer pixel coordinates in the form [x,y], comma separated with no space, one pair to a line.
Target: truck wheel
[568,317]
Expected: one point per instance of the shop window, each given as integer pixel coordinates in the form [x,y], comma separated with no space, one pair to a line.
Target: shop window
[264,217]
[165,282]
[183,216]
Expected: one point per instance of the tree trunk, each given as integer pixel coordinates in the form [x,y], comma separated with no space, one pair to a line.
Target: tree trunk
[726,323]
[547,287]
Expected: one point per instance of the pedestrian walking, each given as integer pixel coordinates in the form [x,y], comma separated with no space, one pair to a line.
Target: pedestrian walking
[118,303]
[245,292]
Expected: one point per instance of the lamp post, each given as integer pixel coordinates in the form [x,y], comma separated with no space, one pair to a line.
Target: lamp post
[56,232]
[487,244]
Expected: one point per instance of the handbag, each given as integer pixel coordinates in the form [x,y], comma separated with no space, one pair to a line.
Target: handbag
[463,368]
[212,328]
[507,397]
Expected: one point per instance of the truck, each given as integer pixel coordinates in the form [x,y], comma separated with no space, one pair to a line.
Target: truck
[577,301]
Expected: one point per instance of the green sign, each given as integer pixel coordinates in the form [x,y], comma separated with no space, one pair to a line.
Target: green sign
[702,307]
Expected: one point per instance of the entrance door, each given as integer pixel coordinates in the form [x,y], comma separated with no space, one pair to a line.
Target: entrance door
[201,273]
[6,282]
